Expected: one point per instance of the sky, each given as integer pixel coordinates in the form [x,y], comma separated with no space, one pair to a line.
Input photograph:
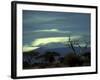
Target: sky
[52,29]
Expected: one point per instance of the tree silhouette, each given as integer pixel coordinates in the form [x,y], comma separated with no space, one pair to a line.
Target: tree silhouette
[70,44]
[49,56]
[72,59]
[29,56]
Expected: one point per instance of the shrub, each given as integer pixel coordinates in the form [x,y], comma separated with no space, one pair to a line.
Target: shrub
[72,59]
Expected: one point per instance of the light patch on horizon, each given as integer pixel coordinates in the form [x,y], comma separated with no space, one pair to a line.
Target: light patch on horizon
[44,41]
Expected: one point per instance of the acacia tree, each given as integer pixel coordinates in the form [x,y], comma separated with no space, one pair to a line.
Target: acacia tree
[72,43]
[74,59]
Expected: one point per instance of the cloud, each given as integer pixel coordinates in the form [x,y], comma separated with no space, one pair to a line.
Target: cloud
[45,41]
[50,42]
[27,48]
[52,30]
[47,30]
[37,19]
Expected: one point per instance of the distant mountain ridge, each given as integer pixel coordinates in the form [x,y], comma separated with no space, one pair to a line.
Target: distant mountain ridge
[27,56]
[60,50]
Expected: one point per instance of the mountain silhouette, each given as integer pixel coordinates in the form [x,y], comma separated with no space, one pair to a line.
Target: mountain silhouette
[61,50]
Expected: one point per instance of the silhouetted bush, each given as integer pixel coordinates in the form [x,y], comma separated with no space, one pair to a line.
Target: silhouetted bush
[86,58]
[72,59]
[49,56]
[26,64]
[61,59]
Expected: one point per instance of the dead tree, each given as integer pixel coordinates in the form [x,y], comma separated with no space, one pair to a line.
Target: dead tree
[72,43]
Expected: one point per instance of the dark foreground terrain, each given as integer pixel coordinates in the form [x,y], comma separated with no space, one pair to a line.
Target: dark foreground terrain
[50,59]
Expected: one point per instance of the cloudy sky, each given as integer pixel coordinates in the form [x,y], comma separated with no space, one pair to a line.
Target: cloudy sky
[51,29]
